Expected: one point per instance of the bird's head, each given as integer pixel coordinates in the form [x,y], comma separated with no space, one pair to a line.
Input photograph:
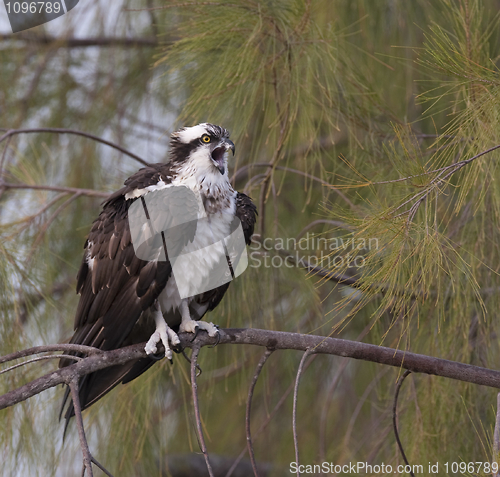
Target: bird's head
[203,147]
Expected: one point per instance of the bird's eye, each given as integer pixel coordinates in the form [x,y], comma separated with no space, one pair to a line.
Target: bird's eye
[206,138]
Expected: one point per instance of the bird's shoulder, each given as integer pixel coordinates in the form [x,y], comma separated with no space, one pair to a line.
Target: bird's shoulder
[142,181]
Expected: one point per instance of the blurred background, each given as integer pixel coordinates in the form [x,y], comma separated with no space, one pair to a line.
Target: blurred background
[342,113]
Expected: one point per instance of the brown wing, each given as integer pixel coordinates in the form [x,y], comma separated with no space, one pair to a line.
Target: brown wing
[116,289]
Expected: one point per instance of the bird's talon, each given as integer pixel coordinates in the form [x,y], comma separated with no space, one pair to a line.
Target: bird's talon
[157,356]
[217,341]
[196,331]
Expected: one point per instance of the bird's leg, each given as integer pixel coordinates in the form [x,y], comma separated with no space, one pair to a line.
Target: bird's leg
[164,334]
[189,325]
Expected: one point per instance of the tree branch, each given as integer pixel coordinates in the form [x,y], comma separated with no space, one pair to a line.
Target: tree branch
[294,411]
[199,427]
[395,419]
[256,375]
[47,349]
[417,363]
[87,457]
[13,132]
[69,190]
[40,358]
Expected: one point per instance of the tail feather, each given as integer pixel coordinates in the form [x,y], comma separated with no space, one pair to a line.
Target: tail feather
[94,386]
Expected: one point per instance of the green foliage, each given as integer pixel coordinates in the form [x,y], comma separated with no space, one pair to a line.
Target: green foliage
[337,121]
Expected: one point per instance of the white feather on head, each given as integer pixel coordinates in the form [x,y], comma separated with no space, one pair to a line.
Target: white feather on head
[188,134]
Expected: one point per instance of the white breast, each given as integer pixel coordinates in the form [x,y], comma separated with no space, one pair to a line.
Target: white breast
[201,256]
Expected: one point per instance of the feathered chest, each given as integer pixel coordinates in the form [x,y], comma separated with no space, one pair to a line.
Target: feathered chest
[202,264]
[216,212]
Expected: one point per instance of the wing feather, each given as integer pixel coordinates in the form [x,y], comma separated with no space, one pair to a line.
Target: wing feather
[116,287]
[247,213]
[146,278]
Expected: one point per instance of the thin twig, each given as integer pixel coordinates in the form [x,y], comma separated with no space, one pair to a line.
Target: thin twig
[4,155]
[256,375]
[96,462]
[46,225]
[294,412]
[199,428]
[12,132]
[2,164]
[335,223]
[359,406]
[283,119]
[262,205]
[275,204]
[255,179]
[47,206]
[440,178]
[395,416]
[189,4]
[341,278]
[88,350]
[35,81]
[40,358]
[422,193]
[269,418]
[62,42]
[324,411]
[87,457]
[186,357]
[68,190]
[243,169]
[331,391]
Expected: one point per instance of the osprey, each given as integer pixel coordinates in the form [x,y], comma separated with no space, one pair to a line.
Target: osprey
[127,300]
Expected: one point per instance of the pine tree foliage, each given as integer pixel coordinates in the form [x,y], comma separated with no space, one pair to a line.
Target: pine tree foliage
[365,132]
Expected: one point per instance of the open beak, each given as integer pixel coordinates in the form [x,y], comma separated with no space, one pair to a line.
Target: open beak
[218,154]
